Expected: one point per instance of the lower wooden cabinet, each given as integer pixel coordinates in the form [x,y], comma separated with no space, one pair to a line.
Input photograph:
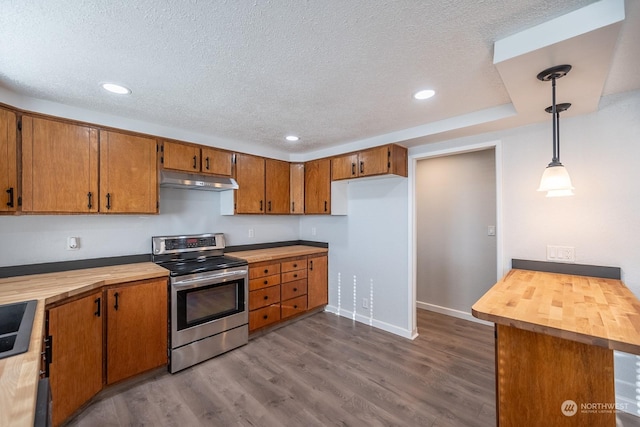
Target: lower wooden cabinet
[75,366]
[279,289]
[136,328]
[103,338]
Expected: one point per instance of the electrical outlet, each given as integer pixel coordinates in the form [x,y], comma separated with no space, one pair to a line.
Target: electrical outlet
[251,233]
[365,303]
[73,243]
[561,253]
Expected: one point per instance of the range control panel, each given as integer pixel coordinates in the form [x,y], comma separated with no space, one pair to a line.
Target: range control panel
[175,244]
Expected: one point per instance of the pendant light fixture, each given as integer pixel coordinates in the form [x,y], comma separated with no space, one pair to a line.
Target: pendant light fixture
[555,179]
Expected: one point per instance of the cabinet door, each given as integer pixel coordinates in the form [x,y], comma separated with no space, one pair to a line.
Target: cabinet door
[182,157]
[317,281]
[8,161]
[59,167]
[277,186]
[296,186]
[136,328]
[344,167]
[75,368]
[250,178]
[128,174]
[374,161]
[216,162]
[317,187]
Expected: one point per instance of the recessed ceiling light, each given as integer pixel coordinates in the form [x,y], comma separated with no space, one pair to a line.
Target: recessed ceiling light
[114,88]
[424,94]
[292,138]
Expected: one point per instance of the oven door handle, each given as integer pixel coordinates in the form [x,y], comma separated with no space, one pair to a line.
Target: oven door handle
[211,278]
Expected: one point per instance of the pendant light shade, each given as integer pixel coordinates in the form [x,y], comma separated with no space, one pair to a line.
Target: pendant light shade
[555,179]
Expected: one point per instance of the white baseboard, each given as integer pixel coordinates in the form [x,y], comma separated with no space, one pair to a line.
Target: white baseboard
[405,333]
[451,312]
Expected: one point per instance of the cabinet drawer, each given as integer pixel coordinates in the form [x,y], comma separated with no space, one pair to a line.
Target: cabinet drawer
[296,264]
[294,306]
[294,275]
[264,297]
[294,289]
[264,316]
[262,270]
[264,282]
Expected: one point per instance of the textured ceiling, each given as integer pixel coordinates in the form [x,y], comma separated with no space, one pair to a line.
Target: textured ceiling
[331,71]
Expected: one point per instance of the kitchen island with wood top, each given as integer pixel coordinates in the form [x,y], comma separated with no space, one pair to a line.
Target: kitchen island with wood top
[555,336]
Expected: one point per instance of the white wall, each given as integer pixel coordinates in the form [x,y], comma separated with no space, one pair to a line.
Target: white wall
[602,221]
[455,204]
[31,239]
[368,253]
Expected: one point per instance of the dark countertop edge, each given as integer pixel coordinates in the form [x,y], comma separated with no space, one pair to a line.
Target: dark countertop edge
[270,245]
[563,268]
[60,266]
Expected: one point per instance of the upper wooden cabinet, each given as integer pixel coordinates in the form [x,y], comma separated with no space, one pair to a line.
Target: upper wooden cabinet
[250,175]
[128,174]
[8,161]
[386,159]
[59,166]
[317,187]
[195,158]
[296,188]
[277,195]
[216,162]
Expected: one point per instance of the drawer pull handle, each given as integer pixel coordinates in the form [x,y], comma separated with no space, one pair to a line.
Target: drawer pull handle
[266,282]
[266,270]
[295,275]
[265,317]
[295,306]
[266,297]
[295,265]
[295,289]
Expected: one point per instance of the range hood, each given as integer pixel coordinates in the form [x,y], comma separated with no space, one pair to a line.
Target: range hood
[191,181]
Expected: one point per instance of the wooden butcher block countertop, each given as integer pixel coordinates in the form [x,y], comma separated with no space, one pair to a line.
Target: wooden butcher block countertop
[590,310]
[19,374]
[270,254]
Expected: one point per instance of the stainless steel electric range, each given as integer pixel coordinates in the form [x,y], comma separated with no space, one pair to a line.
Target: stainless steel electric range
[208,297]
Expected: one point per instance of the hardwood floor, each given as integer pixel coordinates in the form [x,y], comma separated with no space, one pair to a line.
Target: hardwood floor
[322,370]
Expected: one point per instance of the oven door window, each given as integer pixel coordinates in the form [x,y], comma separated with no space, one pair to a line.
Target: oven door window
[207,303]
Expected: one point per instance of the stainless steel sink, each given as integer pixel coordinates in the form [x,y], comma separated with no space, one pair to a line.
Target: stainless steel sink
[16,322]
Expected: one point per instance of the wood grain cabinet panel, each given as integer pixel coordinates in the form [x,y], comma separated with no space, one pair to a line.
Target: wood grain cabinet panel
[296,186]
[383,160]
[181,157]
[293,307]
[299,263]
[277,183]
[8,161]
[128,174]
[294,275]
[317,281]
[216,162]
[261,269]
[264,317]
[136,328]
[344,167]
[317,187]
[264,282]
[250,175]
[75,366]
[293,289]
[59,167]
[264,297]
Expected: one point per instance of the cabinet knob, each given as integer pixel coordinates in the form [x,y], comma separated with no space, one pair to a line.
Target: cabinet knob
[266,270]
[265,317]
[266,282]
[295,306]
[295,289]
[295,265]
[266,297]
[295,275]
